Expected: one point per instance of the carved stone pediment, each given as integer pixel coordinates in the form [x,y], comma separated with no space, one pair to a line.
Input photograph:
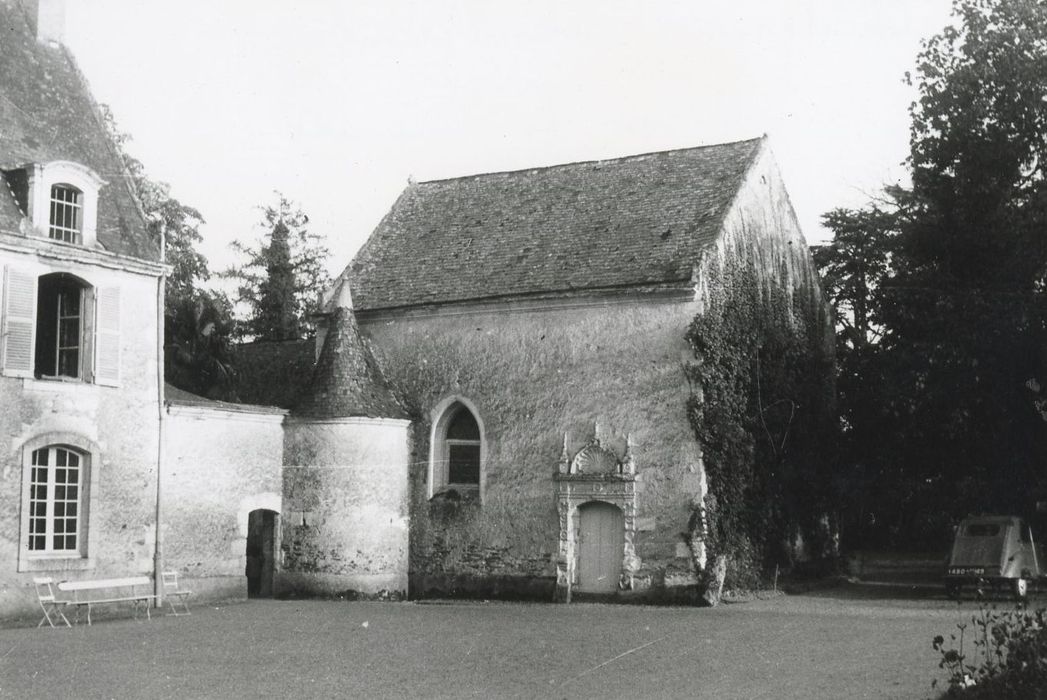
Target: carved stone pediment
[594,459]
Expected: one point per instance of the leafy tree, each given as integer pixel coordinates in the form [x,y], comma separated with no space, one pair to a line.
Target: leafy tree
[283,275]
[197,321]
[941,328]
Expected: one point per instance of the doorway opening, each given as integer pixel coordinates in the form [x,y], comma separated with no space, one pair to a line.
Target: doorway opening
[261,553]
[601,546]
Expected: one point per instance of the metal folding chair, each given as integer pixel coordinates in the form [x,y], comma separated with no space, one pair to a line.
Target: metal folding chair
[173,593]
[45,594]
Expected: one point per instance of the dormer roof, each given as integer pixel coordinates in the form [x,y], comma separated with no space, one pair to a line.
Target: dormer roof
[47,114]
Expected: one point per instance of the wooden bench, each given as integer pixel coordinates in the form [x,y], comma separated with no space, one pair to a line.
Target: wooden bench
[113,590]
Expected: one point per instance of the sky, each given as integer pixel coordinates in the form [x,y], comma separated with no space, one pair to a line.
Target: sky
[337,104]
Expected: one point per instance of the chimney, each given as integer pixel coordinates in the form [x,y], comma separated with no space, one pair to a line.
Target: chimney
[49,20]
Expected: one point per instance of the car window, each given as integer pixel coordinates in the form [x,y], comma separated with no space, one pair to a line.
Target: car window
[982,530]
[1026,533]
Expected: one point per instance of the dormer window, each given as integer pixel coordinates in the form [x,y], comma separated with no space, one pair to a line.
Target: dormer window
[67,213]
[60,200]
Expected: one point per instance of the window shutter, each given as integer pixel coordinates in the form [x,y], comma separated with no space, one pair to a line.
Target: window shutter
[19,322]
[107,336]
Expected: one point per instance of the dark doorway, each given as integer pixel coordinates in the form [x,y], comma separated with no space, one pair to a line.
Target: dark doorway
[261,553]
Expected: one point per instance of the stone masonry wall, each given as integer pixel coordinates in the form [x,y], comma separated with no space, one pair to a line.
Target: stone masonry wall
[345,524]
[219,465]
[534,374]
[117,425]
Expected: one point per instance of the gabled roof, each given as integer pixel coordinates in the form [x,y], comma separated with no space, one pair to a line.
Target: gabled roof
[628,222]
[347,381]
[47,114]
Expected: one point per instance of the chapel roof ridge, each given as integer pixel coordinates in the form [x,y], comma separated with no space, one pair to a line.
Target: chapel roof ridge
[596,161]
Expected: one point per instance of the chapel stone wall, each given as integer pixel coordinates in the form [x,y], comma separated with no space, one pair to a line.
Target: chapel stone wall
[534,373]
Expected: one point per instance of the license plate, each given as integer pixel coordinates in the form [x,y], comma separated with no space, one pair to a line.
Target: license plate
[967,570]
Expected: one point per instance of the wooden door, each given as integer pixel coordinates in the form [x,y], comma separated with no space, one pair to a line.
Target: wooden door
[261,553]
[601,531]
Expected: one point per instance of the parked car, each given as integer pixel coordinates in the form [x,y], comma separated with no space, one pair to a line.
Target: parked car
[993,551]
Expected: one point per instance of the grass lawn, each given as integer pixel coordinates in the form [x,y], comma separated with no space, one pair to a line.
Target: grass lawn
[795,646]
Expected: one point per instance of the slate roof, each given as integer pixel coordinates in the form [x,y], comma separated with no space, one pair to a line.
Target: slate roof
[627,222]
[47,114]
[347,381]
[173,396]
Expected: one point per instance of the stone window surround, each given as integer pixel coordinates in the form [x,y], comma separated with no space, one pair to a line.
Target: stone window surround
[92,282]
[576,488]
[440,417]
[90,464]
[85,335]
[43,176]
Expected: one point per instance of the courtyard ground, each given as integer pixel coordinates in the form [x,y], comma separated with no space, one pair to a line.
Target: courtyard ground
[851,641]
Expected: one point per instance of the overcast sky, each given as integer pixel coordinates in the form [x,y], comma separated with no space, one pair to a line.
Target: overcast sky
[338,103]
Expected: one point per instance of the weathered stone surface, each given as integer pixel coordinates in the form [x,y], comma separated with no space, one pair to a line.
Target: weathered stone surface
[347,478]
[220,464]
[534,374]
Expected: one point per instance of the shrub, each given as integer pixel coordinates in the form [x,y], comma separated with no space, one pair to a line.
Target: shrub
[1007,658]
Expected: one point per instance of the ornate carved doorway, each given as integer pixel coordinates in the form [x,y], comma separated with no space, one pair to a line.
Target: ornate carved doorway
[601,535]
[597,508]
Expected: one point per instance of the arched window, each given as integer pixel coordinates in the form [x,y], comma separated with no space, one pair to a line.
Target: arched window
[59,490]
[56,497]
[457,452]
[66,222]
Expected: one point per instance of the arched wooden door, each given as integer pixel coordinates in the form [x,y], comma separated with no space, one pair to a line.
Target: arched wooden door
[601,541]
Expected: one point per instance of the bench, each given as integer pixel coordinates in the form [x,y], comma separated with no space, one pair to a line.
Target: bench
[114,590]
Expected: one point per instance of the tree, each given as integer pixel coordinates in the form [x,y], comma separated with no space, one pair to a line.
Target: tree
[197,321]
[971,263]
[941,355]
[283,275]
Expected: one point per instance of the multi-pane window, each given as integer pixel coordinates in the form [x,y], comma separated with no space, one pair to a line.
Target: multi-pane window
[463,449]
[68,348]
[55,493]
[59,327]
[67,207]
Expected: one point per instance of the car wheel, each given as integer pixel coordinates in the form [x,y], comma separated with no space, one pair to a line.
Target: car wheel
[1020,588]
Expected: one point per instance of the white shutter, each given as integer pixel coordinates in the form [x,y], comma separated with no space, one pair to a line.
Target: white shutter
[107,336]
[19,322]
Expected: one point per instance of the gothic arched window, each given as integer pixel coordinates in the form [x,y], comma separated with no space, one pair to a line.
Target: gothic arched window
[457,452]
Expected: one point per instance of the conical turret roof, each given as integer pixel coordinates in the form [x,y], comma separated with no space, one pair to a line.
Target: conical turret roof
[347,381]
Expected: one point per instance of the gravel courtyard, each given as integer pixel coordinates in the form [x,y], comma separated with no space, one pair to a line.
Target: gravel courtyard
[851,642]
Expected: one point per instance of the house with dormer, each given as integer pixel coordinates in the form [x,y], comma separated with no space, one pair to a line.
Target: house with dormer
[82,286]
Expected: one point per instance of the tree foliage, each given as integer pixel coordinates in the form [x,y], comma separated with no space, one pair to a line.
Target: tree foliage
[197,321]
[764,417]
[283,274]
[940,386]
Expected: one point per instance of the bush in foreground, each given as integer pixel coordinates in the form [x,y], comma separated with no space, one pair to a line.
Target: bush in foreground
[1007,655]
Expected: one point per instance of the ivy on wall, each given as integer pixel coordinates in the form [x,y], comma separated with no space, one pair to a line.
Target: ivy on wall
[763,411]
